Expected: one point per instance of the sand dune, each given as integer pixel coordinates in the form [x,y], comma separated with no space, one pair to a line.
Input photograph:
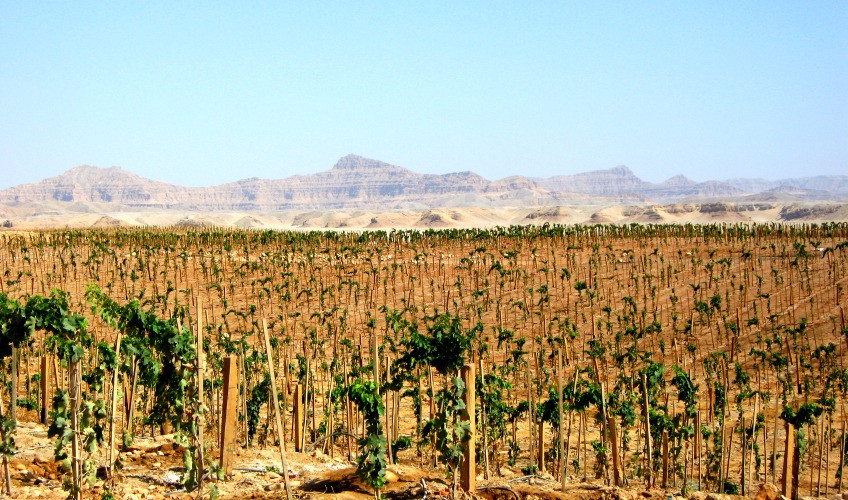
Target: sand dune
[104,216]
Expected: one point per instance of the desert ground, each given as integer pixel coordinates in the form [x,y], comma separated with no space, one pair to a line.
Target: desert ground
[94,215]
[715,331]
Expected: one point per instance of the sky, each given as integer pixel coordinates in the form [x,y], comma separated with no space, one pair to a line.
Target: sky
[202,93]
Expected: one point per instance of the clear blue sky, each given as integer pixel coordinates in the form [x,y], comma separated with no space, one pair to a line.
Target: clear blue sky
[200,93]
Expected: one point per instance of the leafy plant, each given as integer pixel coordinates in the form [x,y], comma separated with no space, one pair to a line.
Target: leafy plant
[449,431]
[372,460]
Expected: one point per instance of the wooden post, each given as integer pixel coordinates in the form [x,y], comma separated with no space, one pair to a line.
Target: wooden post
[130,401]
[432,411]
[540,446]
[7,488]
[113,407]
[821,439]
[665,459]
[75,442]
[774,439]
[389,408]
[275,400]
[13,395]
[841,458]
[561,431]
[788,460]
[723,451]
[710,404]
[744,457]
[201,366]
[750,473]
[245,395]
[613,437]
[376,356]
[567,452]
[229,415]
[650,448]
[698,444]
[796,471]
[468,475]
[45,389]
[298,418]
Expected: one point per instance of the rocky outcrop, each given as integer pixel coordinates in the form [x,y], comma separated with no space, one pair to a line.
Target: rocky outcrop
[833,184]
[678,182]
[93,184]
[353,182]
[357,182]
[622,181]
[613,181]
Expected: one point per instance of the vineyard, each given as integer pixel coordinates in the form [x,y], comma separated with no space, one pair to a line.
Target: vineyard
[675,358]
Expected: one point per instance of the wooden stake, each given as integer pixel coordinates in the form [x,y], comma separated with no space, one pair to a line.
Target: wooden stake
[483,418]
[722,476]
[796,472]
[280,430]
[561,433]
[432,409]
[650,449]
[229,415]
[389,409]
[665,459]
[13,395]
[130,398]
[613,437]
[6,474]
[468,474]
[698,439]
[375,356]
[774,439]
[788,460]
[540,446]
[245,395]
[201,414]
[45,389]
[841,458]
[298,417]
[744,457]
[347,406]
[114,407]
[75,444]
[568,439]
[750,473]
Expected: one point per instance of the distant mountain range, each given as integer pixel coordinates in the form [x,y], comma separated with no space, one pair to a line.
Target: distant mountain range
[357,182]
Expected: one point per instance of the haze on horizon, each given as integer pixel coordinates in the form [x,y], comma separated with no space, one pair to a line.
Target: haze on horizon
[199,94]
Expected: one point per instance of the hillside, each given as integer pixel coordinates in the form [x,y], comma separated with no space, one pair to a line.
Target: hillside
[355,187]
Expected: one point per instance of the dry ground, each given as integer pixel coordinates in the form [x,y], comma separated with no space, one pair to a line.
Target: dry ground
[152,469]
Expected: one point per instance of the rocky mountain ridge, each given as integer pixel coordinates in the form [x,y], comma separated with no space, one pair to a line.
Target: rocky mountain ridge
[357,182]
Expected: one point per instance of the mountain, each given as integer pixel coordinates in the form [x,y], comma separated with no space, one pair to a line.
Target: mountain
[836,184]
[622,181]
[614,181]
[93,184]
[355,182]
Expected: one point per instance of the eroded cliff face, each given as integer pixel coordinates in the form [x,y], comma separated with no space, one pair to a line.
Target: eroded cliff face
[357,182]
[612,181]
[89,184]
[353,182]
[621,180]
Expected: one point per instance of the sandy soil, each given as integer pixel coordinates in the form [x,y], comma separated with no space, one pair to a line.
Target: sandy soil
[152,470]
[104,216]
